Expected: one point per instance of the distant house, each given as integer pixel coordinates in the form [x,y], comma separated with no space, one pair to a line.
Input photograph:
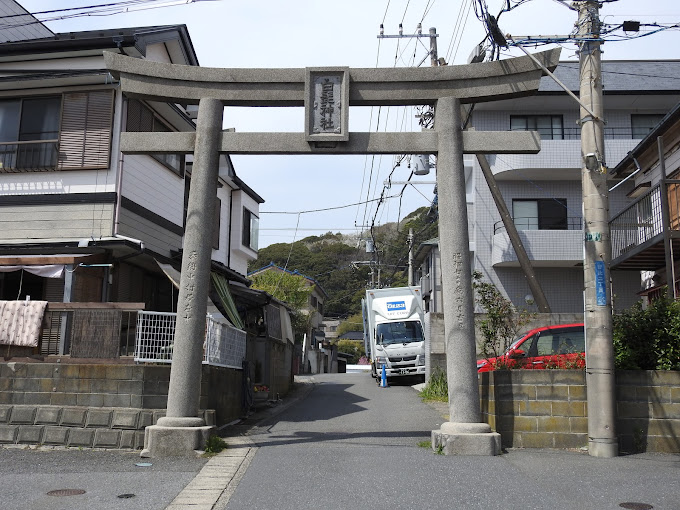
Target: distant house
[317,355]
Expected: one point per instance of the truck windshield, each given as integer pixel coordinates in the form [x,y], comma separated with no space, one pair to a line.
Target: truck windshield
[399,332]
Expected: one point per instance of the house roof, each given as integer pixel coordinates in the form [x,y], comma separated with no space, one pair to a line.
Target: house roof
[352,335]
[628,165]
[272,266]
[620,77]
[424,248]
[18,24]
[137,38]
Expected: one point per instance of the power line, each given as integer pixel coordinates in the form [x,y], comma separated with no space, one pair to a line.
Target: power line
[324,209]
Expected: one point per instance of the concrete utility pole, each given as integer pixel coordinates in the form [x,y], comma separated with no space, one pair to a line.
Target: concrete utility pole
[600,377]
[410,256]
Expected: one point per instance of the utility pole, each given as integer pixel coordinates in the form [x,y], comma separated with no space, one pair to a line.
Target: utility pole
[410,256]
[600,377]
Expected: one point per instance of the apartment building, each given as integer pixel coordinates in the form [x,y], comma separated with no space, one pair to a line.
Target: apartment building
[543,191]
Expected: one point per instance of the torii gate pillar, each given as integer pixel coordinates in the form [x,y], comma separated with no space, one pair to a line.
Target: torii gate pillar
[464,434]
[181,430]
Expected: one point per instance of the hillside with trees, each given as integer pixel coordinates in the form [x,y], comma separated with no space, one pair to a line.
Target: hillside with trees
[341,265]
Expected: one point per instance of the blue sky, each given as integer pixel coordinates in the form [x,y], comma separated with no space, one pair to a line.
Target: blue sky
[307,33]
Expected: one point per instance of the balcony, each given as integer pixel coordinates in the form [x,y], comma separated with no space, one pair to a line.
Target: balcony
[560,159]
[637,232]
[561,247]
[29,156]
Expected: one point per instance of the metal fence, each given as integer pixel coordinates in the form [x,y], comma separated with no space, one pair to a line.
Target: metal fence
[224,345]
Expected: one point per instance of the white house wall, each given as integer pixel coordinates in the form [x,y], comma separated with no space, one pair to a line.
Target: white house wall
[241,255]
[148,183]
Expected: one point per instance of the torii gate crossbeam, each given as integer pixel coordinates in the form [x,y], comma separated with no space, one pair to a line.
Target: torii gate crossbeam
[327,94]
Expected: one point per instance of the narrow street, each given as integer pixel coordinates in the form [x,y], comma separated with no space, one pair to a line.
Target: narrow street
[350,444]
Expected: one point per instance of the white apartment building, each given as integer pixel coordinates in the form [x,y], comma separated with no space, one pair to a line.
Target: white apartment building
[543,191]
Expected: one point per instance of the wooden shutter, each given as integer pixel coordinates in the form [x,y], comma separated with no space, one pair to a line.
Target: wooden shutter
[86,126]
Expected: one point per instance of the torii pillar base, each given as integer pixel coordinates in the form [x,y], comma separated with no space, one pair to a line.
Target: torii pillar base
[176,438]
[466,439]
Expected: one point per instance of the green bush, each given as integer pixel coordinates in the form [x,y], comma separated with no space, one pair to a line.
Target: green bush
[214,445]
[353,347]
[437,388]
[648,339]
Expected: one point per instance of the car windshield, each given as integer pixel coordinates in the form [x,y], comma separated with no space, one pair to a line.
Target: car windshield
[517,341]
[399,332]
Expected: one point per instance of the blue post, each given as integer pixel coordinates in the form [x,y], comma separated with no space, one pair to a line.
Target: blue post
[383,378]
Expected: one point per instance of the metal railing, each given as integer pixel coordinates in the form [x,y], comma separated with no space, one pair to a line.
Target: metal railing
[22,156]
[533,223]
[610,133]
[224,345]
[638,223]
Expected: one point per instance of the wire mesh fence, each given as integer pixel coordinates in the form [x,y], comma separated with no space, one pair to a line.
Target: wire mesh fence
[224,345]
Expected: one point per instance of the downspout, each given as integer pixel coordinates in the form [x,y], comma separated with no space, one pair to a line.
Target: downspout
[231,222]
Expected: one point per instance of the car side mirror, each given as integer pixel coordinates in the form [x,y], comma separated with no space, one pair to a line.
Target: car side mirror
[516,353]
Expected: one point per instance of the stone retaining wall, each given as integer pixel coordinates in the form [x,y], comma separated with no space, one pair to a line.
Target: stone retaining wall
[103,427]
[99,404]
[547,408]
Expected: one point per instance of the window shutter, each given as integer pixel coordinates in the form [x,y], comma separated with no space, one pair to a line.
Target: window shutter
[85,137]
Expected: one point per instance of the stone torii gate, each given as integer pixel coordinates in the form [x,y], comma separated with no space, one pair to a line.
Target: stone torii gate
[327,94]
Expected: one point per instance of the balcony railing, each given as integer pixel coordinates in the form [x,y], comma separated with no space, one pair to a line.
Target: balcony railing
[610,133]
[533,223]
[29,156]
[642,220]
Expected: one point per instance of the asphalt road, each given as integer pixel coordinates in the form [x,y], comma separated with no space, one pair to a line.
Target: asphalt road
[352,445]
[27,476]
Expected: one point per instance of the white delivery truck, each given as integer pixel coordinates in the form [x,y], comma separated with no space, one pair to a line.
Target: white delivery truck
[393,331]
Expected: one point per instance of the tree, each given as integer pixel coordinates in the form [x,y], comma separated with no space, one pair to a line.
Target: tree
[293,290]
[352,323]
[503,321]
[353,347]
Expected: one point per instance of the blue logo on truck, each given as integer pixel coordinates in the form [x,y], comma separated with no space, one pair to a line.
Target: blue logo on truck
[395,306]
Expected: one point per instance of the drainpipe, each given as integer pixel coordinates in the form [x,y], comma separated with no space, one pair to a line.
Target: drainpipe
[231,222]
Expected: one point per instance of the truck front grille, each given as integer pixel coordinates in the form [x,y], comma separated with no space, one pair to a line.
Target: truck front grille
[405,358]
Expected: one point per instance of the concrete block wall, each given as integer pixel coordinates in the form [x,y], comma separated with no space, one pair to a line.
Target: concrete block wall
[89,427]
[648,408]
[547,409]
[101,405]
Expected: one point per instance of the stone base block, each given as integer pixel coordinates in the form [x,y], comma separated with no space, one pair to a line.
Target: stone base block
[466,439]
[160,441]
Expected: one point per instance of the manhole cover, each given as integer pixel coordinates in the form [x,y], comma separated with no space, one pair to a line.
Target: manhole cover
[126,496]
[66,492]
[636,506]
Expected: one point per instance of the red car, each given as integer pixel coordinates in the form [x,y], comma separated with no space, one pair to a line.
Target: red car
[560,346]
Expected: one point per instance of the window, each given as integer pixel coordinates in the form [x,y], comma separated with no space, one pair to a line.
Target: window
[541,214]
[141,118]
[61,132]
[548,126]
[251,224]
[643,123]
